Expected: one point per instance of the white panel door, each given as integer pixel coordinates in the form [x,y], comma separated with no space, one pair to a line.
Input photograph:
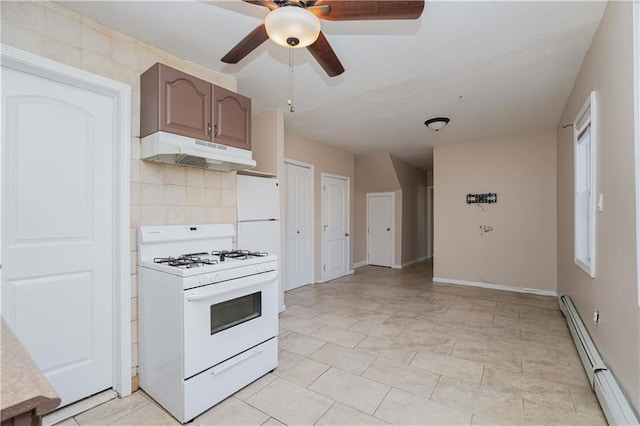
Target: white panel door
[299,187]
[335,227]
[380,229]
[57,294]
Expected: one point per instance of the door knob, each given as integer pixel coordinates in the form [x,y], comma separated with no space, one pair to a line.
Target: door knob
[346,234]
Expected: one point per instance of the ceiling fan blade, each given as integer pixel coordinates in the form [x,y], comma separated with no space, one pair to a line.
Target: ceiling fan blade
[356,10]
[326,57]
[254,39]
[320,11]
[266,3]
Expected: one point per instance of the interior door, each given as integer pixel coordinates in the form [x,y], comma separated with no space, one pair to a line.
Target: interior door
[380,229]
[335,227]
[299,187]
[57,143]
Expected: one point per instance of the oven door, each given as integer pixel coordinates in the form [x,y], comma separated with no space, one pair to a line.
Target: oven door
[223,319]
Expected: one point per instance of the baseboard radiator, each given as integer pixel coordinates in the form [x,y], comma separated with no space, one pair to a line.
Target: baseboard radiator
[613,401]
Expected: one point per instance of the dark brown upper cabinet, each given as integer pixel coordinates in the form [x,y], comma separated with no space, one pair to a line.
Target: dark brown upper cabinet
[175,102]
[231,118]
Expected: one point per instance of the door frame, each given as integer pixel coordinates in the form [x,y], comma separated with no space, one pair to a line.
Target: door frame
[429,222]
[393,223]
[21,60]
[311,167]
[323,176]
[636,66]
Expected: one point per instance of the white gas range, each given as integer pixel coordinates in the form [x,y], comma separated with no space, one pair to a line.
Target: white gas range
[207,316]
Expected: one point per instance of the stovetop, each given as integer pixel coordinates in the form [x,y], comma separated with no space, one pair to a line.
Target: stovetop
[195,250]
[196,260]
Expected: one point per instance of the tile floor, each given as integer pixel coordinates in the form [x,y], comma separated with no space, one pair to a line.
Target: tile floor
[387,346]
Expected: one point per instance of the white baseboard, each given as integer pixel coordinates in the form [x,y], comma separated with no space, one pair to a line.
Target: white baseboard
[404,265]
[78,407]
[395,265]
[614,402]
[349,272]
[496,286]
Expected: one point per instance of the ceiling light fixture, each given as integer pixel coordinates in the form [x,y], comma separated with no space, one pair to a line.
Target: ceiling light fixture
[292,26]
[437,123]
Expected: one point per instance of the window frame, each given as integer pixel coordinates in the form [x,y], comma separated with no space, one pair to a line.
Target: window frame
[585,121]
[636,66]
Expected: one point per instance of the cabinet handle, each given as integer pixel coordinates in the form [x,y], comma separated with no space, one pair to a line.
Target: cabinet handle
[209,128]
[215,130]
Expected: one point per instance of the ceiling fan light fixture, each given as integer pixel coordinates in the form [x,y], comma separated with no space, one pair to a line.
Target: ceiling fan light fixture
[292,26]
[437,123]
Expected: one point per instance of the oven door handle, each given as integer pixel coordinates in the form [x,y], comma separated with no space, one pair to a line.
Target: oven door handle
[238,359]
[217,291]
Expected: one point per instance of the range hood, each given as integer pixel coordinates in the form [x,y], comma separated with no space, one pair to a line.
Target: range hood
[175,149]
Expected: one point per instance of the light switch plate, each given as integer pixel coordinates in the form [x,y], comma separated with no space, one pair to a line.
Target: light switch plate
[600,202]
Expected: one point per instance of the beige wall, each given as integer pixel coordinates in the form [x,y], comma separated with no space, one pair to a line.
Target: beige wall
[384,173]
[374,173]
[521,250]
[413,182]
[608,69]
[326,159]
[264,141]
[160,194]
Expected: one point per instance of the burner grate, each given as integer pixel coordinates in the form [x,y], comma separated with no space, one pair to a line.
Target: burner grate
[238,254]
[185,261]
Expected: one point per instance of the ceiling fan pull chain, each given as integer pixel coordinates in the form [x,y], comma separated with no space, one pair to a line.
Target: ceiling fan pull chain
[292,108]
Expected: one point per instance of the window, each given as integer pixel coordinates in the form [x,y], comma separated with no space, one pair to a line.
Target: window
[584,131]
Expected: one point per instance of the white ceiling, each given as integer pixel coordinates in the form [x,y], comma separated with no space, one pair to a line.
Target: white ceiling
[495,68]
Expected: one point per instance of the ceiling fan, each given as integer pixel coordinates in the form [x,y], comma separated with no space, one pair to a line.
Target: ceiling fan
[295,23]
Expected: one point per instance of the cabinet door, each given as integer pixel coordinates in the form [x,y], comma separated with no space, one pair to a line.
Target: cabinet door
[185,104]
[232,118]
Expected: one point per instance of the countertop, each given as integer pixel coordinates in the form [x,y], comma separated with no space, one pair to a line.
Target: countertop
[24,387]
